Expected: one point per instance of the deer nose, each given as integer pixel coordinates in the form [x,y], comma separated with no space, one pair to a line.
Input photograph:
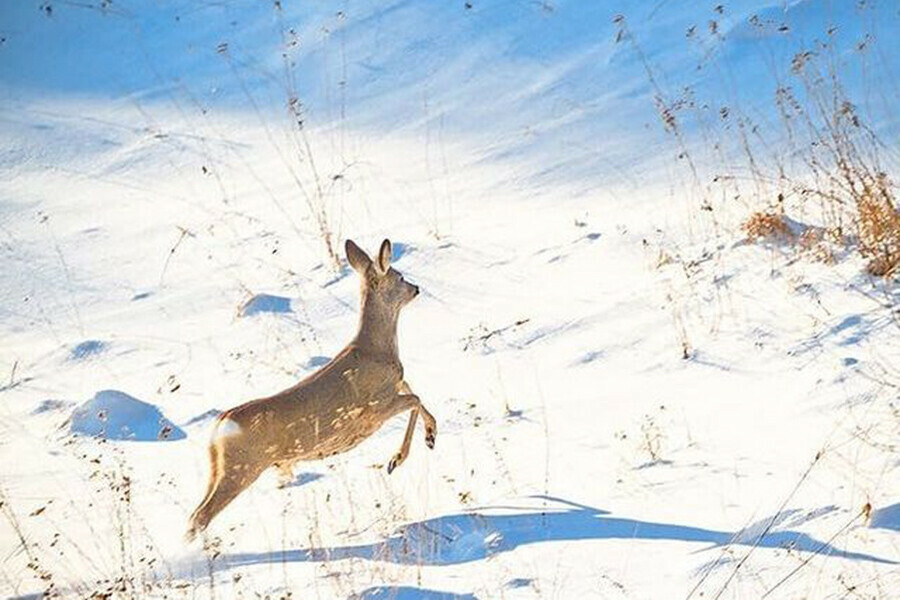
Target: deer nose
[415,290]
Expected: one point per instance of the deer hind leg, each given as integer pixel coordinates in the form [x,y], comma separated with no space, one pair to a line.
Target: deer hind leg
[213,474]
[232,475]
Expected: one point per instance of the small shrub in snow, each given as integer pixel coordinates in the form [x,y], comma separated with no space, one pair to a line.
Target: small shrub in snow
[767,226]
[879,229]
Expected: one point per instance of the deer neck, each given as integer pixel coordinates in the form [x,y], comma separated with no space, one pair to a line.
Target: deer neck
[378,328]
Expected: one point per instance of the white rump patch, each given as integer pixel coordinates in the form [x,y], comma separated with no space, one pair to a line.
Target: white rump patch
[226,428]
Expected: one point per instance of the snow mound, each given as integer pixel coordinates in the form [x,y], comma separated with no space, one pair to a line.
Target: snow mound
[408,593]
[115,415]
[265,303]
[86,349]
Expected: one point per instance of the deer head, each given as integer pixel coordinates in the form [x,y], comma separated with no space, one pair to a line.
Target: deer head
[384,293]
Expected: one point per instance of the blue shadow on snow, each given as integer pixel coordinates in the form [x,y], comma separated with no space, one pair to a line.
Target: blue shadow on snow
[466,537]
[86,349]
[886,518]
[407,593]
[304,478]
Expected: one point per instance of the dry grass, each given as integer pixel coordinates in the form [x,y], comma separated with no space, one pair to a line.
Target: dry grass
[879,228]
[819,156]
[872,215]
[767,226]
[817,244]
[842,178]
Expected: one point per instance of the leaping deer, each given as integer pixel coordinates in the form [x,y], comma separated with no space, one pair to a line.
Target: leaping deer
[329,412]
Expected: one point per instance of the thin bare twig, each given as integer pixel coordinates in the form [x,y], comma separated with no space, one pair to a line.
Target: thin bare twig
[184,233]
[816,552]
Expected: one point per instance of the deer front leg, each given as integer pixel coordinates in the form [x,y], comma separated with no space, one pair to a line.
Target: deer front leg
[430,427]
[430,422]
[401,455]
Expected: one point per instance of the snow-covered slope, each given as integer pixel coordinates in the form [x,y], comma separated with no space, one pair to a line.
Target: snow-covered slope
[626,408]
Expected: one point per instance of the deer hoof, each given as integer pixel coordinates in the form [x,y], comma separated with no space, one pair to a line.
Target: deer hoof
[394,463]
[429,438]
[191,534]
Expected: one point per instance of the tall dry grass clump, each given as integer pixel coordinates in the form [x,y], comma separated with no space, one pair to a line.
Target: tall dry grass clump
[879,229]
[818,160]
[841,168]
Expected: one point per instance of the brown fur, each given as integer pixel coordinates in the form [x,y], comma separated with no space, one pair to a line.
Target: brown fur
[329,412]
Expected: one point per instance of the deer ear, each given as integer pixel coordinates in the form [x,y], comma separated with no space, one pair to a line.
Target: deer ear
[384,257]
[357,257]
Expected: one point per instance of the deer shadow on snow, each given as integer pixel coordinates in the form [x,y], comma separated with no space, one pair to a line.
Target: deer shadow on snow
[466,537]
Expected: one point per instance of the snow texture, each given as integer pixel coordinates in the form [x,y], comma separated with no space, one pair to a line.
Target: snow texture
[633,400]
